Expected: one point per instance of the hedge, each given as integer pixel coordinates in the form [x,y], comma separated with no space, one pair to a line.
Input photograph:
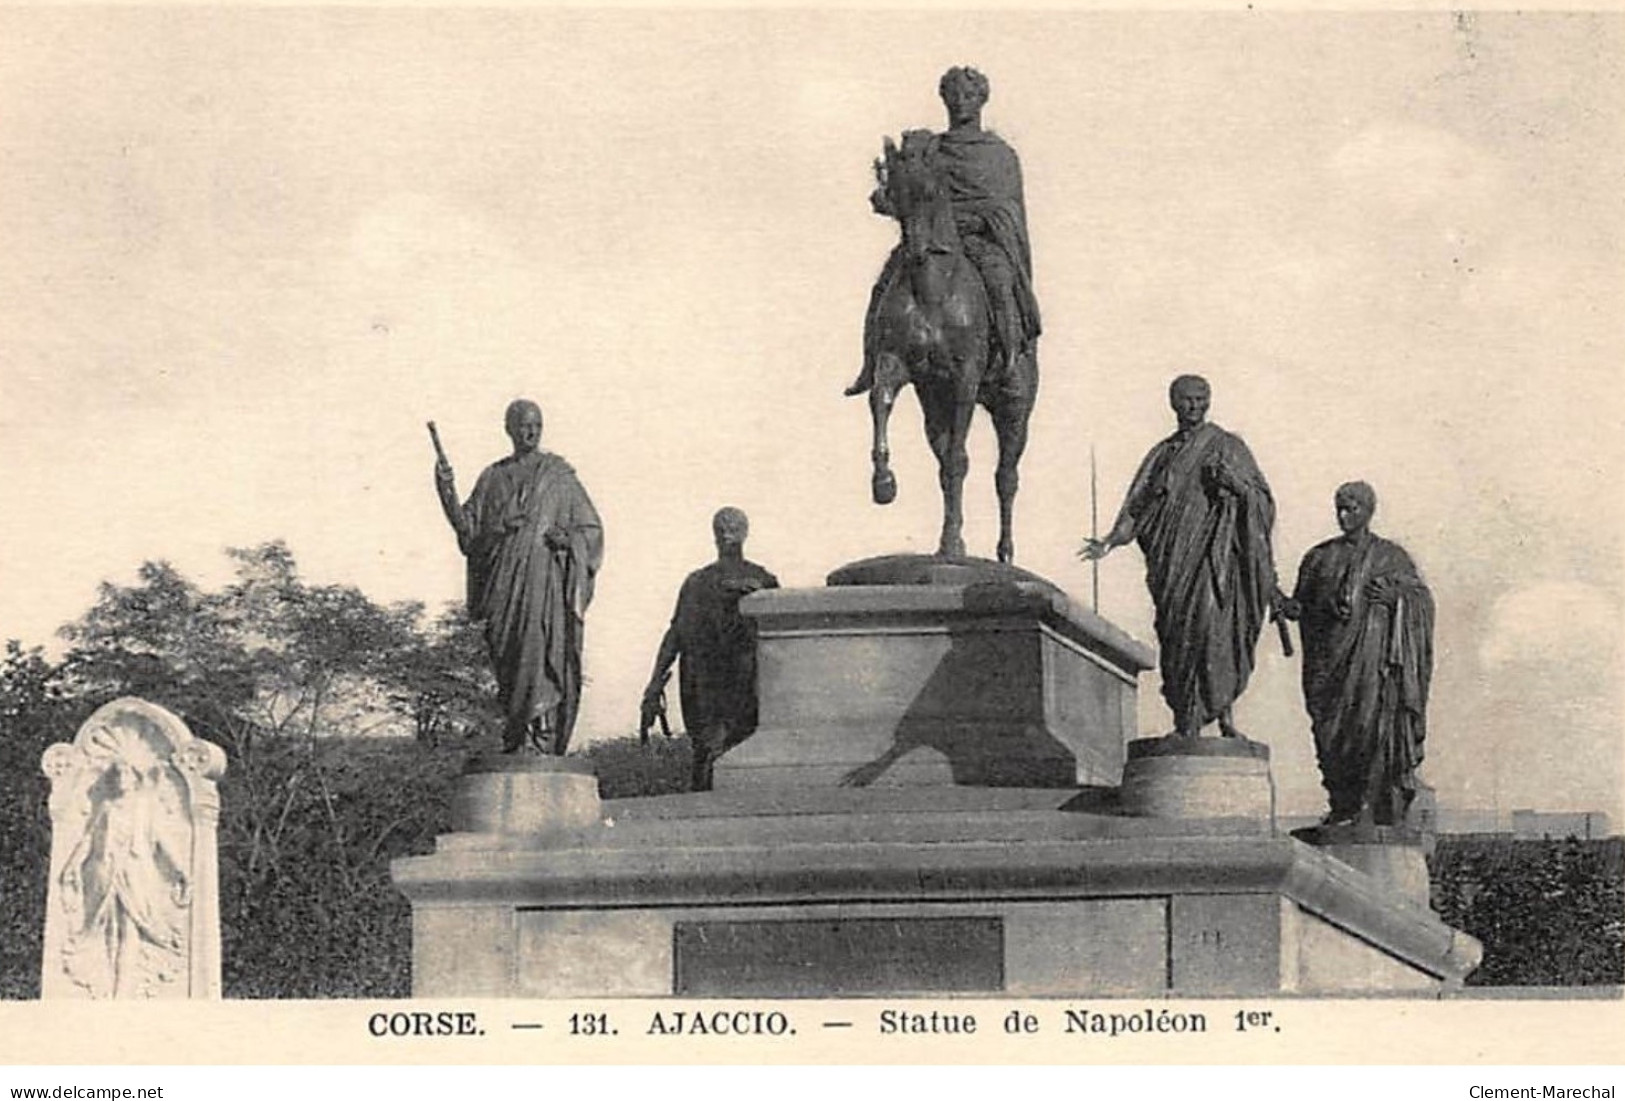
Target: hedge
[1549,913]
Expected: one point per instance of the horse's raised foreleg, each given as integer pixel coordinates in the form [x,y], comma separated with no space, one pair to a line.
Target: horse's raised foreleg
[882,396]
[1010,414]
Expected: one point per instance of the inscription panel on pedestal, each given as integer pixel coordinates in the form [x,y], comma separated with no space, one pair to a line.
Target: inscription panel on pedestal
[838,957]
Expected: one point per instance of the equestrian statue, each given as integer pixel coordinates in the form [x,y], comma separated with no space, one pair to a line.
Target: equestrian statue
[953,312]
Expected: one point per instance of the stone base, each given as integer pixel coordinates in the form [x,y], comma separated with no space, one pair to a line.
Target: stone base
[1198,778]
[910,891]
[1001,682]
[1395,856]
[1402,869]
[929,806]
[933,569]
[524,794]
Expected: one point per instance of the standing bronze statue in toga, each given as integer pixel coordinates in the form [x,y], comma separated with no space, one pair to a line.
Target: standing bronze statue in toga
[534,544]
[1367,623]
[1202,513]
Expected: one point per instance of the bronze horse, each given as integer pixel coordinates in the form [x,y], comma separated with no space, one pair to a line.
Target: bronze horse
[935,331]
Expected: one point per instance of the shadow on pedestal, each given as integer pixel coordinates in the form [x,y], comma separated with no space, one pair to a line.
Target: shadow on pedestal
[910,669]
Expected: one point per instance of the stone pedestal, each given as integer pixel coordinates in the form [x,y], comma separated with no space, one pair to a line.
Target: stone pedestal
[1394,856]
[525,794]
[1198,778]
[465,939]
[910,891]
[929,806]
[960,673]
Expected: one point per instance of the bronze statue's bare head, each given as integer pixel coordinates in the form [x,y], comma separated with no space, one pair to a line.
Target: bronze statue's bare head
[1189,395]
[1356,503]
[964,93]
[730,526]
[523,421]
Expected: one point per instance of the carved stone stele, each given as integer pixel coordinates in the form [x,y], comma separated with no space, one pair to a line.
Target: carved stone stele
[132,906]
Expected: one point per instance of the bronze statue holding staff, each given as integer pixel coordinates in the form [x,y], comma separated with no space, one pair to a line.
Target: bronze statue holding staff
[534,543]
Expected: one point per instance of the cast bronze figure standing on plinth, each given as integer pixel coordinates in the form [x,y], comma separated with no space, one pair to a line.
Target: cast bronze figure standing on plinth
[1367,622]
[717,648]
[1202,513]
[534,544]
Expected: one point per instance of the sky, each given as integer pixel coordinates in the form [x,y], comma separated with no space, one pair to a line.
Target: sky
[248,253]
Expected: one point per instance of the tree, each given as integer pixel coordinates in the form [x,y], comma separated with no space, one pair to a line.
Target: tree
[165,641]
[445,682]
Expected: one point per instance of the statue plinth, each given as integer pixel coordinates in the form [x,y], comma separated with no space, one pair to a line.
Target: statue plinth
[520,795]
[933,569]
[1183,777]
[914,670]
[1395,856]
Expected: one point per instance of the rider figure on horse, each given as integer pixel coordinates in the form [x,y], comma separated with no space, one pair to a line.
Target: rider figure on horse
[983,177]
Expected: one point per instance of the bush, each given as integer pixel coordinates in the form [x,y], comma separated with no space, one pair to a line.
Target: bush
[270,668]
[627,769]
[313,913]
[32,716]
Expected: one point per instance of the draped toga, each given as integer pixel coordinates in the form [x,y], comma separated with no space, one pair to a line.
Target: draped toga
[1208,564]
[532,598]
[1366,669]
[717,649]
